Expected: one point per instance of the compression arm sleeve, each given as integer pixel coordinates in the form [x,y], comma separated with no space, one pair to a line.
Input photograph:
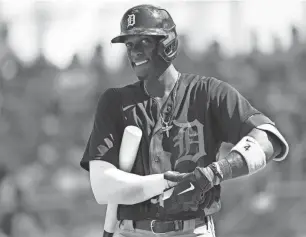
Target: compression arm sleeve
[111,185]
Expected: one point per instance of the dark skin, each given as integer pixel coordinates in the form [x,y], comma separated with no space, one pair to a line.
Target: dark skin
[144,48]
[268,142]
[140,48]
[159,77]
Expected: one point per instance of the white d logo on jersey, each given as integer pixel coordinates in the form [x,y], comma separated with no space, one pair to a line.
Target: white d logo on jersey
[190,141]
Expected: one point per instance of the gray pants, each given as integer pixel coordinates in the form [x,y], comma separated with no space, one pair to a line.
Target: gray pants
[191,229]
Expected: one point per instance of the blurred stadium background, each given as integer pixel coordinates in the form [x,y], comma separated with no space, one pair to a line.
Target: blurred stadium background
[56,59]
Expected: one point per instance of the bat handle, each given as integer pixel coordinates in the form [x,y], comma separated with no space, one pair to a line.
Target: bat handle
[107,234]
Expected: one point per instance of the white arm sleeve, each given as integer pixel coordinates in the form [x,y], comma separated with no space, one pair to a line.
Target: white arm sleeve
[111,185]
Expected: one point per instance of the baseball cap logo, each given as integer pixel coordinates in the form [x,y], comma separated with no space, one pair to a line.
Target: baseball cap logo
[131,20]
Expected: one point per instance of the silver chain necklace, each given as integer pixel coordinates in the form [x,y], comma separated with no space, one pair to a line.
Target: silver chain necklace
[165,124]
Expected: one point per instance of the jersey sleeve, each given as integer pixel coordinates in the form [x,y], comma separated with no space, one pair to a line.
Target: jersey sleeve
[235,117]
[105,138]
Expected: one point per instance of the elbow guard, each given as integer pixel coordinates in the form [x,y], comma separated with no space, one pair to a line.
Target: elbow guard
[252,152]
[285,147]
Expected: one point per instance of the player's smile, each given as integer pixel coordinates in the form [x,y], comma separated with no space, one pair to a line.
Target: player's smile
[138,63]
[141,67]
[141,50]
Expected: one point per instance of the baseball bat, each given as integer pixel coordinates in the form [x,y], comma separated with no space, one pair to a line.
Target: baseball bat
[127,155]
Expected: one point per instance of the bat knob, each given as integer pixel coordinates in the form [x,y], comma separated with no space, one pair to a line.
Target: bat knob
[107,234]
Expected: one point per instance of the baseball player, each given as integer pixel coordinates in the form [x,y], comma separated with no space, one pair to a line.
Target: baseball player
[174,186]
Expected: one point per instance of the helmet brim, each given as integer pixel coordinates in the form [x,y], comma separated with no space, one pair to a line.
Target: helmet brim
[136,31]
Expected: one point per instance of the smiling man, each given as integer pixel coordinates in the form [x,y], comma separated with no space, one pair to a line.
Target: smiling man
[174,186]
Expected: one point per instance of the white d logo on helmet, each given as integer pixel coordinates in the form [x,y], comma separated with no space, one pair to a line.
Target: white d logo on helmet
[131,20]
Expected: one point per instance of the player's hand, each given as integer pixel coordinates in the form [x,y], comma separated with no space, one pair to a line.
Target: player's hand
[211,197]
[173,177]
[203,178]
[189,192]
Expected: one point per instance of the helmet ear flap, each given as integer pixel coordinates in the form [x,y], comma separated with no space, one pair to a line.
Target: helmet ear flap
[167,47]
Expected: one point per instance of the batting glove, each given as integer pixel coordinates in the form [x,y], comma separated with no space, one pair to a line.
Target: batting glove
[190,192]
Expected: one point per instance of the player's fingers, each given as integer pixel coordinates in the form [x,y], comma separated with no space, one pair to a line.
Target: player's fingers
[171,184]
[212,197]
[207,197]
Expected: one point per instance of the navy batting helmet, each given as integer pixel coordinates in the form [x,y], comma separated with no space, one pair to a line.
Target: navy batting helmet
[151,21]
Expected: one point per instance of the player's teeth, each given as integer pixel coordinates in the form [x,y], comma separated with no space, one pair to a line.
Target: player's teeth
[140,63]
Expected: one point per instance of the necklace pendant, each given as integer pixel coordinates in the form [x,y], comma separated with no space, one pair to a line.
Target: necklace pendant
[167,133]
[166,129]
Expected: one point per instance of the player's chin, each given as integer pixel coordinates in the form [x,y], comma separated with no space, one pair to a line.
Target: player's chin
[142,74]
[141,78]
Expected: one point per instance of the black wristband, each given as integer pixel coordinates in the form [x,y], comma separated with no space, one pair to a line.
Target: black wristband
[225,168]
[217,172]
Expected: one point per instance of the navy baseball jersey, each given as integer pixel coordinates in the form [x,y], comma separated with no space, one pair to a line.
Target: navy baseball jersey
[202,113]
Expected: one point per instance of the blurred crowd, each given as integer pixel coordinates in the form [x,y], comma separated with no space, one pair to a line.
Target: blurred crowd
[46,115]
